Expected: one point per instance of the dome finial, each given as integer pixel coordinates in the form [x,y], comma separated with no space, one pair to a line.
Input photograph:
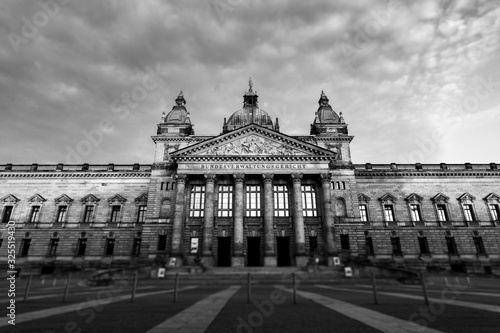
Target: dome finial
[250,84]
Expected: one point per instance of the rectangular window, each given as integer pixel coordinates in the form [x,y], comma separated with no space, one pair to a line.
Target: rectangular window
[309,200]
[82,246]
[396,246]
[313,244]
[61,214]
[344,242]
[442,213]
[162,242]
[141,214]
[53,247]
[281,201]
[25,247]
[363,213]
[452,246]
[389,213]
[197,204]
[89,211]
[253,200]
[478,242]
[7,212]
[115,214]
[161,186]
[369,246]
[415,212]
[225,201]
[110,246]
[35,211]
[469,213]
[424,245]
[136,248]
[495,211]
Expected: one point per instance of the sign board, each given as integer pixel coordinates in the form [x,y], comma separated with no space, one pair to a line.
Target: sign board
[172,262]
[161,273]
[336,261]
[348,271]
[194,245]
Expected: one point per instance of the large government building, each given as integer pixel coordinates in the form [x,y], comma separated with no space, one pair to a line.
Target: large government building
[253,196]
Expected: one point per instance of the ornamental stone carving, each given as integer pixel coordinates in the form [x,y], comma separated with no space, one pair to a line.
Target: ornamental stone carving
[252,145]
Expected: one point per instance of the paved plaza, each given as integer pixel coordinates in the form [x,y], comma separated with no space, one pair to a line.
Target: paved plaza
[340,306]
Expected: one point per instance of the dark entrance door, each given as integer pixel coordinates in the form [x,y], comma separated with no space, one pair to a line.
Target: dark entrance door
[253,251]
[224,251]
[283,245]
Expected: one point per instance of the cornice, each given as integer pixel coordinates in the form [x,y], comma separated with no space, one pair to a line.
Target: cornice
[239,158]
[75,175]
[421,174]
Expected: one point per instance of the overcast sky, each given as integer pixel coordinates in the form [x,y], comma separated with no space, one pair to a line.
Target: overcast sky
[416,81]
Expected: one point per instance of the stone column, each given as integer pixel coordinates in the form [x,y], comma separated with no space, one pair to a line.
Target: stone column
[208,220]
[328,217]
[178,219]
[238,259]
[298,221]
[269,254]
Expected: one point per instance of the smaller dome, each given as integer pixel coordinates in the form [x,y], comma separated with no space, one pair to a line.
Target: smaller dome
[179,113]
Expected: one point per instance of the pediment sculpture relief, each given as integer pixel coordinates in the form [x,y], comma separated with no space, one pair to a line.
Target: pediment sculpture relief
[252,145]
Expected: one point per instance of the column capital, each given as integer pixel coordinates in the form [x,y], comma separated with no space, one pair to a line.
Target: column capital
[296,177]
[210,178]
[267,177]
[326,177]
[181,178]
[239,177]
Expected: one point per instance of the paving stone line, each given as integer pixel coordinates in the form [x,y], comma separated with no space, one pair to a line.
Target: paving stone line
[199,316]
[472,305]
[368,317]
[438,291]
[24,317]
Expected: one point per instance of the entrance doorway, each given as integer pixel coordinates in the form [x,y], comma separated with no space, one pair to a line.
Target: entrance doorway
[283,245]
[253,251]
[223,251]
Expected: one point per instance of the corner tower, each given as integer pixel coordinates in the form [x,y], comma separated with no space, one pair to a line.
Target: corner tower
[330,131]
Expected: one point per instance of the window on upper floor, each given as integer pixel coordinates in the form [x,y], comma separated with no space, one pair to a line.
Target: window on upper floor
[253,200]
[469,212]
[225,205]
[363,212]
[61,214]
[89,213]
[115,214]
[7,212]
[494,211]
[141,213]
[309,201]
[34,214]
[442,212]
[281,201]
[389,212]
[416,215]
[197,202]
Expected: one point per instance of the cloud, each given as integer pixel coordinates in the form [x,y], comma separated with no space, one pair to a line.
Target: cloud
[417,63]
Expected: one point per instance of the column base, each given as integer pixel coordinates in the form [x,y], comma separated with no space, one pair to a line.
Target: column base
[237,261]
[207,261]
[270,261]
[301,260]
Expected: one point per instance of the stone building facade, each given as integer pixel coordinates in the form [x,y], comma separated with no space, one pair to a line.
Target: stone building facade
[252,196]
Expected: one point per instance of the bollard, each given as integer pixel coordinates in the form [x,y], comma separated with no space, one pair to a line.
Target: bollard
[249,288]
[374,283]
[66,290]
[27,291]
[54,283]
[294,289]
[457,280]
[468,280]
[134,287]
[176,286]
[446,281]
[424,289]
[43,282]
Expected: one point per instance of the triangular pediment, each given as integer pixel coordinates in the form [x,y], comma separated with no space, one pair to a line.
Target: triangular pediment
[63,198]
[466,197]
[414,198]
[10,199]
[252,141]
[492,198]
[142,199]
[90,199]
[37,198]
[387,198]
[440,197]
[116,199]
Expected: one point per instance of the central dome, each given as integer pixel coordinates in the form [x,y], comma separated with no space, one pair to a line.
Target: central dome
[249,114]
